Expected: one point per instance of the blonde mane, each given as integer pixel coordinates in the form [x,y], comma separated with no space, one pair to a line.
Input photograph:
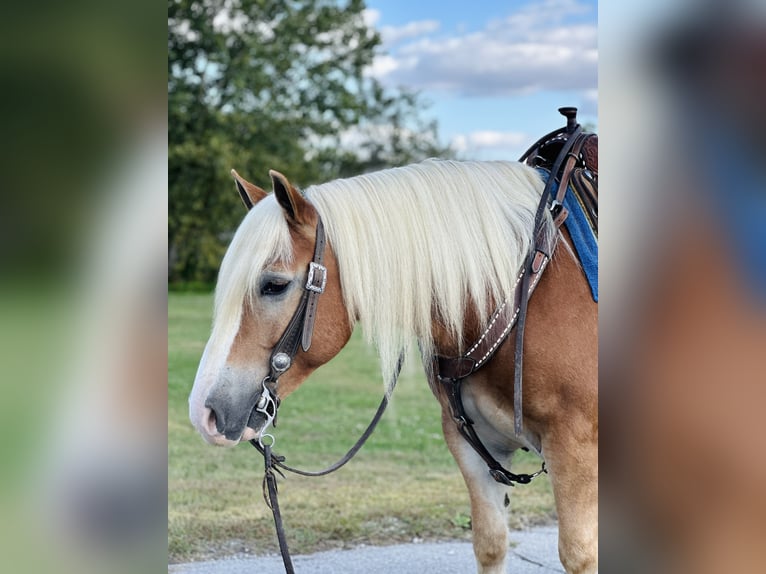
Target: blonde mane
[413,244]
[427,241]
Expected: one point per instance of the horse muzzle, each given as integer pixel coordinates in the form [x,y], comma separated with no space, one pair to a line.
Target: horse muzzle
[226,422]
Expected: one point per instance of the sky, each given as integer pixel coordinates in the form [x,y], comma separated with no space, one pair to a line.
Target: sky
[494,72]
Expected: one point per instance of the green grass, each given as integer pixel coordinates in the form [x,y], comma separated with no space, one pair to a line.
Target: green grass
[402,485]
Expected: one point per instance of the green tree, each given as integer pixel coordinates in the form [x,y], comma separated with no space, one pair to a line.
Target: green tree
[272,84]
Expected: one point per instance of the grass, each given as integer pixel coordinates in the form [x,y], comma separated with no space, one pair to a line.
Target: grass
[402,485]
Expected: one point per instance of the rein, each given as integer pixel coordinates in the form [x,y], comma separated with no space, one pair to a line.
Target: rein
[299,330]
[274,463]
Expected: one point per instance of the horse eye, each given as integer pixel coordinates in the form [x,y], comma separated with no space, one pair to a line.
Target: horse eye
[274,288]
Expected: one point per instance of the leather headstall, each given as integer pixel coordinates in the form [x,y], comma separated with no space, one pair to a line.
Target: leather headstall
[299,330]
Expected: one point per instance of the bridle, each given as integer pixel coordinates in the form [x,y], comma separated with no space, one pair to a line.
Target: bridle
[299,332]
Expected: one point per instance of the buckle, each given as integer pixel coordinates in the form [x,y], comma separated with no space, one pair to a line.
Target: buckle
[500,477]
[311,284]
[558,212]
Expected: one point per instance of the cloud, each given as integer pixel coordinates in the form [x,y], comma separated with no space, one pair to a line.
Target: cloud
[382,66]
[371,17]
[545,46]
[394,34]
[589,103]
[491,139]
[489,144]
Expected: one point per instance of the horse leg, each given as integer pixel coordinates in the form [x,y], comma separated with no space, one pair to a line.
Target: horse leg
[573,468]
[489,518]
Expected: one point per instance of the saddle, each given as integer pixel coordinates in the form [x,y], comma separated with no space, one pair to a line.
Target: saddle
[580,171]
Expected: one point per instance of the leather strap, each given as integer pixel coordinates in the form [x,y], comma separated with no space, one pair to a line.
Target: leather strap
[288,343]
[315,284]
[274,462]
[270,491]
[575,149]
[584,183]
[502,321]
[279,461]
[300,329]
[563,165]
[468,432]
[500,325]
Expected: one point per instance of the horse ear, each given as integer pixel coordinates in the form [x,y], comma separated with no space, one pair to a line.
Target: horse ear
[292,201]
[250,194]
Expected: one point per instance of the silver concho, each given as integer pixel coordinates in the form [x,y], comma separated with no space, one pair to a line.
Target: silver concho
[281,362]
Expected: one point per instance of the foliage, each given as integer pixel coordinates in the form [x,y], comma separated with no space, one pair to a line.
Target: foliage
[272,84]
[462,520]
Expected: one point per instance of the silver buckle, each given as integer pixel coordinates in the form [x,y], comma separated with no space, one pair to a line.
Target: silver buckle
[313,268]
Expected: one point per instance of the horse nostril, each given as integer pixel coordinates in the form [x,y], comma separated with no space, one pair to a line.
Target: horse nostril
[214,424]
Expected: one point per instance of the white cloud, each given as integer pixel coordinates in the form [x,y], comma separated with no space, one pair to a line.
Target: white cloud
[533,49]
[489,144]
[485,139]
[394,34]
[382,66]
[371,16]
[589,103]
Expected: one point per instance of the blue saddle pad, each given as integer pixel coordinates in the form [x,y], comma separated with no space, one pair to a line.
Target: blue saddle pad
[584,240]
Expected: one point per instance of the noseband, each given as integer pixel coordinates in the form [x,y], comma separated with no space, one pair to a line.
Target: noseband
[299,331]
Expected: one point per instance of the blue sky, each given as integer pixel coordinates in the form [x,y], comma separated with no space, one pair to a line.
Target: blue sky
[494,72]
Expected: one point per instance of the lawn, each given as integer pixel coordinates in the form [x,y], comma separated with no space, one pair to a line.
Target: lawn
[403,485]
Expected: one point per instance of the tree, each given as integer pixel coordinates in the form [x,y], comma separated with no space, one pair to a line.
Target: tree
[272,84]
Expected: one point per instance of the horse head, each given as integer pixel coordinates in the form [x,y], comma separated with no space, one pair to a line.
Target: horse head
[263,278]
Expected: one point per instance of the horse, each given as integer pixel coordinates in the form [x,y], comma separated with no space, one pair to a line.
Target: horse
[423,252]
